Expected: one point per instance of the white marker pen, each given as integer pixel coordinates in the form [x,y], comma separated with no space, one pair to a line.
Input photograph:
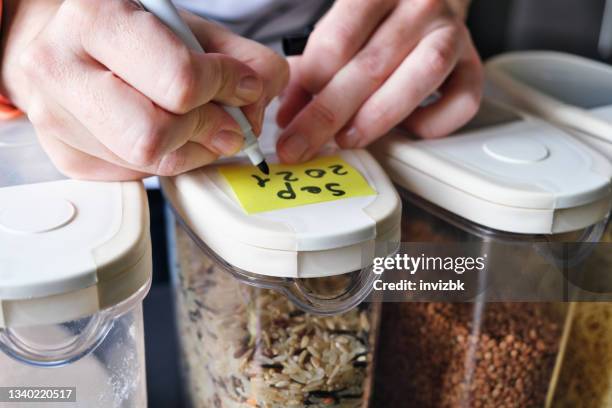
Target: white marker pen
[165,11]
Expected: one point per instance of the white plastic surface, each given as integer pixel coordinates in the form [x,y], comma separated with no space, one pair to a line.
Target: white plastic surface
[332,224]
[67,248]
[30,218]
[508,149]
[565,89]
[604,113]
[62,260]
[523,177]
[568,78]
[314,240]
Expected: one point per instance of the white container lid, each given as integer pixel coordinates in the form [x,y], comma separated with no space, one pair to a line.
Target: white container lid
[517,176]
[567,90]
[68,249]
[308,241]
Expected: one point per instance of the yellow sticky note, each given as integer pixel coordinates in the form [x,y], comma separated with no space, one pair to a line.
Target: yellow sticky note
[322,179]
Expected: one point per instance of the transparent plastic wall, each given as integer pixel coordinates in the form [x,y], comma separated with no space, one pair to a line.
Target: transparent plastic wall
[243,345]
[101,357]
[585,375]
[451,353]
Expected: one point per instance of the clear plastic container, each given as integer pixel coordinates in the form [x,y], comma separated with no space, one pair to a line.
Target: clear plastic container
[247,346]
[270,305]
[585,375]
[455,354]
[100,356]
[22,160]
[75,265]
[576,93]
[535,201]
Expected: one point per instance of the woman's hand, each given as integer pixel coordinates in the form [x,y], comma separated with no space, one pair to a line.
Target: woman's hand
[115,95]
[367,67]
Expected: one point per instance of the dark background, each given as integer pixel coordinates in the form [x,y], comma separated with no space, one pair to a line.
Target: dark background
[497,26]
[563,25]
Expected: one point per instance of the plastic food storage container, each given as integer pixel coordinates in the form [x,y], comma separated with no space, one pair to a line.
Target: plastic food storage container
[75,264]
[500,180]
[269,292]
[585,375]
[575,93]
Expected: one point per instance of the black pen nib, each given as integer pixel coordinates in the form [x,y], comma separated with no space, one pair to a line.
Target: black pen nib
[263,166]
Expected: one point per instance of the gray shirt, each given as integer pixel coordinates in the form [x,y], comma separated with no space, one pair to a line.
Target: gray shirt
[263,20]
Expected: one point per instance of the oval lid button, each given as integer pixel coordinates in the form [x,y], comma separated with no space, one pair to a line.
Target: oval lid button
[36,217]
[516,150]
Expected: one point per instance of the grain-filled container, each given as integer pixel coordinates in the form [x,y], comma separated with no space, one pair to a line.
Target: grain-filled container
[75,264]
[585,375]
[574,93]
[270,274]
[501,183]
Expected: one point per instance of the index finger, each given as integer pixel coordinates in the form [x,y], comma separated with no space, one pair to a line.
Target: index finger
[339,35]
[142,51]
[269,66]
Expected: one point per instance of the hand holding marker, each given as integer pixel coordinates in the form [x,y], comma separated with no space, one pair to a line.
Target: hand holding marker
[165,11]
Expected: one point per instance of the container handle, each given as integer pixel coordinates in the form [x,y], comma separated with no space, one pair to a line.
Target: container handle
[360,287]
[63,352]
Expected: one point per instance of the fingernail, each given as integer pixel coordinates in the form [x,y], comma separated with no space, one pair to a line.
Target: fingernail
[249,88]
[349,139]
[294,147]
[227,142]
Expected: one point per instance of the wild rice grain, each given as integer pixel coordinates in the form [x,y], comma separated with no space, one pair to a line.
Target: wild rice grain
[279,357]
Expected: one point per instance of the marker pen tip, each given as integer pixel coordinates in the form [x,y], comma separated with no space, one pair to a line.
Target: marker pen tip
[263,166]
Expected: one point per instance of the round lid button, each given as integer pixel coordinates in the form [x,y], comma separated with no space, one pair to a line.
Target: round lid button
[36,217]
[516,150]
